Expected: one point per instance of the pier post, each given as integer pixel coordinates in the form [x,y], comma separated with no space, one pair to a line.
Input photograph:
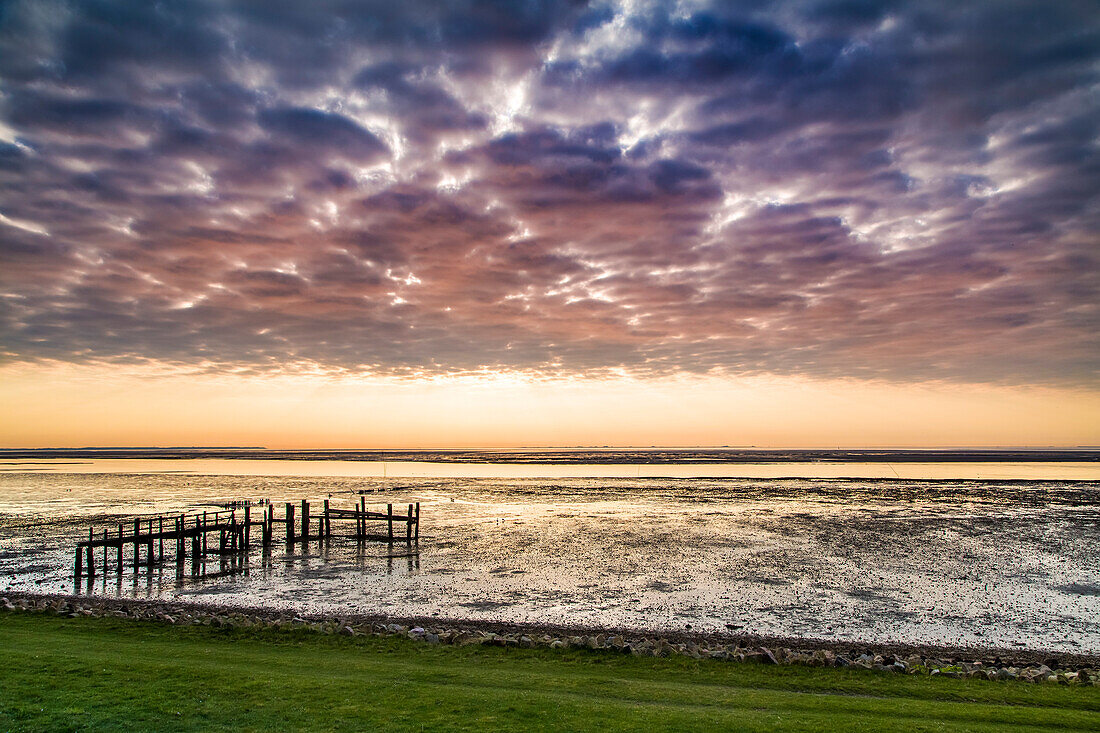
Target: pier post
[289,523]
[247,525]
[416,534]
[91,555]
[409,525]
[79,562]
[326,525]
[137,534]
[120,548]
[389,521]
[160,541]
[362,517]
[181,548]
[305,521]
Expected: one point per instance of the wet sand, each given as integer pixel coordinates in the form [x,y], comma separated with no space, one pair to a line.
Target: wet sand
[969,564]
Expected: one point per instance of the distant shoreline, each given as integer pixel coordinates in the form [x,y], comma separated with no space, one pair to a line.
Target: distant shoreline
[576,456]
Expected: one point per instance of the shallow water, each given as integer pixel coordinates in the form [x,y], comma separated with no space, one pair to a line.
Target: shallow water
[973,562]
[931,470]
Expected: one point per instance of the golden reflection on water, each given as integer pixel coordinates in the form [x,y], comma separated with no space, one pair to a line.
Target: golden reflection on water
[1039,471]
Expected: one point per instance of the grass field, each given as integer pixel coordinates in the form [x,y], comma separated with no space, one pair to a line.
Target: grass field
[59,674]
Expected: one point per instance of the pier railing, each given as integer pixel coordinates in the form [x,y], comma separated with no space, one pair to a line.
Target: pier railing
[189,534]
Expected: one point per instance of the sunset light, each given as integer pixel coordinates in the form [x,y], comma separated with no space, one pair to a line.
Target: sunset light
[551,365]
[567,193]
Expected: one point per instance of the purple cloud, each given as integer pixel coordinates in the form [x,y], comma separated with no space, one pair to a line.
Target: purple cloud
[873,189]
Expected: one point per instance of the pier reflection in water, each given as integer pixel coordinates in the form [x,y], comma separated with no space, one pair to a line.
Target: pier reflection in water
[331,555]
[191,552]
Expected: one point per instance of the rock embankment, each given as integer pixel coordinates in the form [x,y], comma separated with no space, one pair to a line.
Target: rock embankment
[611,642]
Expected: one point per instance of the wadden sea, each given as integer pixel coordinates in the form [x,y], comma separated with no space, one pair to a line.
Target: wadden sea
[989,553]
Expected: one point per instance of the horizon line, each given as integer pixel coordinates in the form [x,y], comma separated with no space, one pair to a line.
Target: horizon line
[602,447]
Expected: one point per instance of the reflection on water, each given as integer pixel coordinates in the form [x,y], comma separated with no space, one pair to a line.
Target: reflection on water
[995,563]
[1067,470]
[197,574]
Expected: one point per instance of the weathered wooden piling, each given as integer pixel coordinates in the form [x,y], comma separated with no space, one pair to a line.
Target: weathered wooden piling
[232,532]
[181,549]
[91,555]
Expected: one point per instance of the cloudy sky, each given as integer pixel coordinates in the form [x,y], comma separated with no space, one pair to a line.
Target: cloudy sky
[673,198]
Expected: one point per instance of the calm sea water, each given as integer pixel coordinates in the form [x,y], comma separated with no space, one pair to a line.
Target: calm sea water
[988,554]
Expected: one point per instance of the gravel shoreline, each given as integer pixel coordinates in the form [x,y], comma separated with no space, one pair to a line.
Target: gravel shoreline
[992,664]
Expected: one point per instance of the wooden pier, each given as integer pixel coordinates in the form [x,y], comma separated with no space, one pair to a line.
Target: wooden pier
[189,535]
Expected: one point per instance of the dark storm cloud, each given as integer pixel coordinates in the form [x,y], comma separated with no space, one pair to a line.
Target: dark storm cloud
[830,188]
[320,131]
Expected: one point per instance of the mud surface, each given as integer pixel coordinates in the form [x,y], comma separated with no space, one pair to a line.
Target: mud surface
[1010,565]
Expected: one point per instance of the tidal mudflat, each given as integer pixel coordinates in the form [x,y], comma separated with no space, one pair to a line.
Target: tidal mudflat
[990,563]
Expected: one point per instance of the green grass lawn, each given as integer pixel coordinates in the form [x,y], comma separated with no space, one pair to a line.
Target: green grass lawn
[60,674]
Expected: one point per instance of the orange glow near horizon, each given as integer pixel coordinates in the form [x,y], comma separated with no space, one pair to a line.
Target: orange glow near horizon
[68,406]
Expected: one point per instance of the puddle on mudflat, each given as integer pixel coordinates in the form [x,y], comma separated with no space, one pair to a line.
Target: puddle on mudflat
[946,562]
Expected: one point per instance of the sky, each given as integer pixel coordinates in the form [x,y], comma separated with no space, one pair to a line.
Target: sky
[496,223]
